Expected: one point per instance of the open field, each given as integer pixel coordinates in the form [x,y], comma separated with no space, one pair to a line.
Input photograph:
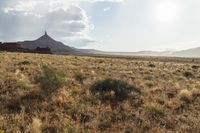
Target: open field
[168,99]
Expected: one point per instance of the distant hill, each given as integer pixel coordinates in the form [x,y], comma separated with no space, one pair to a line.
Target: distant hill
[194,52]
[140,53]
[60,48]
[47,41]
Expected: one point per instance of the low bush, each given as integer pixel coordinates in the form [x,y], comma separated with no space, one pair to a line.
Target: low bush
[152,65]
[80,77]
[118,88]
[188,74]
[195,67]
[25,62]
[51,79]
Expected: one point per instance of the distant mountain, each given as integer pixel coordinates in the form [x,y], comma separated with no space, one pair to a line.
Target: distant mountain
[91,51]
[58,47]
[143,53]
[194,52]
[47,41]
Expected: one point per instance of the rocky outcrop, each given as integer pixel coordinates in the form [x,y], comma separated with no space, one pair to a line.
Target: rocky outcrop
[16,47]
[12,47]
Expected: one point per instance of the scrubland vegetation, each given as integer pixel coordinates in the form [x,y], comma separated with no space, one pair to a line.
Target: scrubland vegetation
[80,94]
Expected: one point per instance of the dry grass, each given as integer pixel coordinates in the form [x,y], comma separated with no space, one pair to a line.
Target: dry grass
[168,101]
[36,125]
[195,92]
[185,95]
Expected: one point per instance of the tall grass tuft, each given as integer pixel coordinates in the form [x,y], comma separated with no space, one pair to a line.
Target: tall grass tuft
[36,125]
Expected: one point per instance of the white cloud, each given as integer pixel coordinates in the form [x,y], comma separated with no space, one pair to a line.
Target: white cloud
[30,5]
[106,9]
[24,19]
[63,19]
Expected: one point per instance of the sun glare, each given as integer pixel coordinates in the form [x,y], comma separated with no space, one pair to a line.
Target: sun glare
[166,11]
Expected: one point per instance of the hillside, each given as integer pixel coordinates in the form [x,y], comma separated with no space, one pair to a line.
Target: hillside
[57,94]
[140,53]
[194,52]
[47,41]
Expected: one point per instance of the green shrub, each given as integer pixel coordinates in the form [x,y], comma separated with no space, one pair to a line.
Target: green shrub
[25,62]
[1,131]
[188,74]
[51,79]
[120,88]
[152,65]
[195,67]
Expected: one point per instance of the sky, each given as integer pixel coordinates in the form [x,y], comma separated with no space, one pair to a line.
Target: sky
[108,25]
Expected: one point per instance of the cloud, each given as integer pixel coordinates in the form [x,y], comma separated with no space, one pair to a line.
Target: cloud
[106,9]
[81,41]
[31,5]
[63,19]
[15,25]
[70,23]
[27,19]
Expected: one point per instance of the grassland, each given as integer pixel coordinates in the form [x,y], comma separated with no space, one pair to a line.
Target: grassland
[169,98]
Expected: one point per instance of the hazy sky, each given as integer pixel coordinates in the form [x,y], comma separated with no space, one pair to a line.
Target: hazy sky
[110,25]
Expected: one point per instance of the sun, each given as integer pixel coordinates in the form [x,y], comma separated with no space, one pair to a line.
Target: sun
[166,11]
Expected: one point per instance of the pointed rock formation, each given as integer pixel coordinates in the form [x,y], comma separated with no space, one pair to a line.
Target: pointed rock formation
[47,41]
